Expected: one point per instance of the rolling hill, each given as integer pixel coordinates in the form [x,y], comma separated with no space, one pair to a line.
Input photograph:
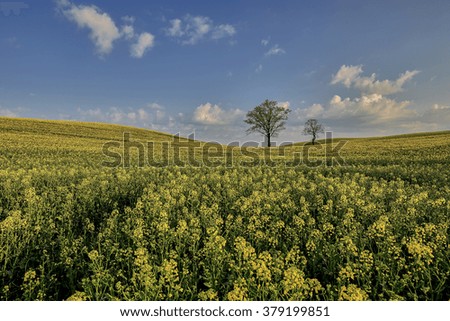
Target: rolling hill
[352,219]
[82,142]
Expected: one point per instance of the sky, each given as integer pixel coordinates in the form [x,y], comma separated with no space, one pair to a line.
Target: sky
[361,68]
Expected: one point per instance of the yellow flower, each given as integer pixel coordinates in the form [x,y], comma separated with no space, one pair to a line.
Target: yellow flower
[352,293]
[77,296]
[239,292]
[209,295]
[293,280]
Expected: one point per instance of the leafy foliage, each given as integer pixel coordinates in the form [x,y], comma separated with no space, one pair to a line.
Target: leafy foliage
[267,119]
[313,128]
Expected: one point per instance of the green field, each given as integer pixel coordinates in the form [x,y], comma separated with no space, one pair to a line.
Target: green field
[220,223]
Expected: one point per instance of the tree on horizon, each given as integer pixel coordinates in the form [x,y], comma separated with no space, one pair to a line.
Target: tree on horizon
[313,128]
[267,119]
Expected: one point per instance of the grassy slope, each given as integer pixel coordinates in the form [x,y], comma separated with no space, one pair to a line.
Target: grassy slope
[49,141]
[59,209]
[81,142]
[71,134]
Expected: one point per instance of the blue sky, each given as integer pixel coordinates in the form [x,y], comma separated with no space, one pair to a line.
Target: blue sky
[362,68]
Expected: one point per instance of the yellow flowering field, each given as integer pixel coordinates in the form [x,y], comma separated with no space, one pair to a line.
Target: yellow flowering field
[375,227]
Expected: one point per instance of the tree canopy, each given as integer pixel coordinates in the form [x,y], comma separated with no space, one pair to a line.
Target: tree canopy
[314,128]
[268,119]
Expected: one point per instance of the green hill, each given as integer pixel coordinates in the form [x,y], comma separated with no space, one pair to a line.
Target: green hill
[53,141]
[57,141]
[352,219]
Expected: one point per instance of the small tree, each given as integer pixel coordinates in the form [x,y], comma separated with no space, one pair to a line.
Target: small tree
[314,128]
[267,119]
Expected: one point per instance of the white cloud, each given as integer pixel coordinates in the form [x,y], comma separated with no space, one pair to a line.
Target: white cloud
[208,121]
[350,76]
[346,75]
[191,29]
[6,112]
[175,29]
[144,42]
[103,30]
[62,3]
[284,104]
[128,19]
[196,29]
[440,107]
[313,111]
[116,115]
[149,115]
[142,113]
[275,50]
[223,31]
[155,106]
[127,31]
[406,76]
[209,114]
[372,109]
[368,109]
[259,68]
[439,114]
[433,118]
[158,111]
[95,113]
[265,42]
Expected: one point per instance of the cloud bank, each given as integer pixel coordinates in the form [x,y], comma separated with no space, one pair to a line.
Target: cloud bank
[373,110]
[209,114]
[350,77]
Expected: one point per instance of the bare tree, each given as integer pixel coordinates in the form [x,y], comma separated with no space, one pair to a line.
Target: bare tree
[267,119]
[314,128]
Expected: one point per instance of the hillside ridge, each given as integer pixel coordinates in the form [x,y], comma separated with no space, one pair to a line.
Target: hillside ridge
[70,127]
